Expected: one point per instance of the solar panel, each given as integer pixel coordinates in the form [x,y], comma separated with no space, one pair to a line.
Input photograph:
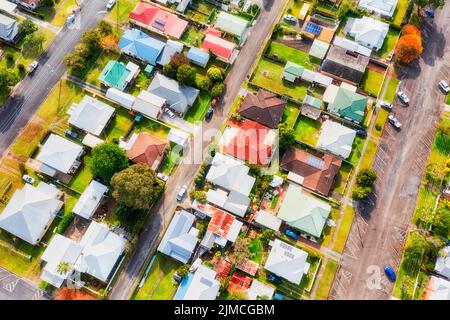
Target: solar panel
[313,28]
[315,162]
[285,246]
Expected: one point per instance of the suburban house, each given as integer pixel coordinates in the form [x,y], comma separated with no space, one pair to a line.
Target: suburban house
[233,184]
[222,268]
[198,56]
[201,285]
[336,138]
[30,4]
[169,50]
[141,46]
[311,107]
[89,201]
[31,211]
[239,283]
[293,72]
[349,105]
[182,5]
[287,261]
[351,46]
[178,137]
[180,239]
[263,107]
[91,115]
[248,141]
[147,149]
[303,211]
[9,28]
[311,171]
[96,254]
[438,289]
[158,20]
[367,31]
[59,155]
[178,97]
[443,263]
[118,75]
[222,227]
[223,49]
[260,289]
[319,49]
[232,24]
[268,220]
[7,7]
[384,8]
[149,105]
[345,65]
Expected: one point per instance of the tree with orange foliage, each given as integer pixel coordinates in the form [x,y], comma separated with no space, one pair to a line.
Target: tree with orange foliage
[409,46]
[411,29]
[109,43]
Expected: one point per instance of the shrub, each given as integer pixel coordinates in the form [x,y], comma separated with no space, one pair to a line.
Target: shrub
[183,270]
[198,195]
[186,75]
[217,89]
[65,222]
[215,74]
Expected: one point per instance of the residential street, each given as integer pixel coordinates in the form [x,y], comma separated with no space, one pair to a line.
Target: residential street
[33,90]
[163,211]
[379,230]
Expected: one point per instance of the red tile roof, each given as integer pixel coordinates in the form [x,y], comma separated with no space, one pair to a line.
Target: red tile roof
[239,283]
[222,269]
[221,223]
[251,142]
[159,19]
[147,149]
[220,47]
[248,266]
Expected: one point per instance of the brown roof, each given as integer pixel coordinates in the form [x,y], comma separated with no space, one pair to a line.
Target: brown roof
[147,149]
[318,172]
[264,107]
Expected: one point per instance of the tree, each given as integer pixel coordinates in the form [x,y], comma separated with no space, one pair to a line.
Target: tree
[286,136]
[215,74]
[241,250]
[202,83]
[8,78]
[432,3]
[411,29]
[137,187]
[104,28]
[64,267]
[366,177]
[169,70]
[409,48]
[237,295]
[34,43]
[108,159]
[27,27]
[178,60]
[109,43]
[217,89]
[434,173]
[407,287]
[198,195]
[91,39]
[183,270]
[444,129]
[360,193]
[129,216]
[186,75]
[441,223]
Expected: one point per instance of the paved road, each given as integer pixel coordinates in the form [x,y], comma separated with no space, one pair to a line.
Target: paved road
[15,288]
[162,213]
[380,227]
[33,90]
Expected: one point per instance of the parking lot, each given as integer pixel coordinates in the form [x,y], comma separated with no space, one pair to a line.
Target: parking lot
[15,288]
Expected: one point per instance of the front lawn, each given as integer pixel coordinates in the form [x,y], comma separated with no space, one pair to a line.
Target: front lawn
[389,42]
[326,281]
[357,147]
[284,53]
[400,12]
[342,178]
[380,122]
[121,10]
[372,82]
[171,160]
[63,12]
[307,130]
[391,90]
[369,154]
[83,177]
[198,110]
[291,113]
[344,230]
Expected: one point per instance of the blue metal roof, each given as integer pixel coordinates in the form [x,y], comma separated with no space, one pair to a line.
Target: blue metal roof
[198,56]
[136,43]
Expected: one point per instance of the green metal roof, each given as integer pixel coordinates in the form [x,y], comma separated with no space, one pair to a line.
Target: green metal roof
[149,69]
[292,71]
[115,74]
[314,102]
[349,104]
[303,211]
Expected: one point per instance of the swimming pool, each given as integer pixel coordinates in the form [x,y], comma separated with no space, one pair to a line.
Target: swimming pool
[184,285]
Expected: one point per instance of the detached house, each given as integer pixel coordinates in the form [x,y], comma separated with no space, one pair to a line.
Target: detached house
[147,149]
[223,49]
[367,31]
[349,105]
[384,8]
[201,285]
[9,28]
[336,138]
[90,200]
[141,46]
[232,25]
[118,75]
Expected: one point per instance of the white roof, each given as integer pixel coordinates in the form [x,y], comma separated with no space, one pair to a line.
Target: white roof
[231,24]
[59,153]
[124,99]
[287,261]
[149,104]
[317,77]
[319,49]
[352,46]
[336,138]
[30,211]
[260,289]
[180,239]
[7,6]
[91,115]
[101,250]
[268,220]
[60,249]
[443,263]
[178,137]
[330,93]
[90,199]
[383,7]
[368,32]
[91,141]
[202,286]
[438,289]
[233,201]
[230,174]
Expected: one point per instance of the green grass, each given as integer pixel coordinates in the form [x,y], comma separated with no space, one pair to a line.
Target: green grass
[344,230]
[291,113]
[389,42]
[294,7]
[121,10]
[369,154]
[64,11]
[193,36]
[198,110]
[285,54]
[170,162]
[96,70]
[343,176]
[357,147]
[153,127]
[257,250]
[391,89]
[447,101]
[328,231]
[83,177]
[326,281]
[268,76]
[159,284]
[307,130]
[380,122]
[372,82]
[400,12]
[119,126]
[5,184]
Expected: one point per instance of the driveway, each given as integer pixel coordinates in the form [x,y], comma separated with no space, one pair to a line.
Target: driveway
[381,224]
[162,213]
[15,288]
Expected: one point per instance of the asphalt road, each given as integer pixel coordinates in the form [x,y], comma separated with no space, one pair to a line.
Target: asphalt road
[379,231]
[33,90]
[163,211]
[15,288]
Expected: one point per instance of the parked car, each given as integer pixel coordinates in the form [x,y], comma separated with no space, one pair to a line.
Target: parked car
[394,121]
[209,114]
[182,193]
[274,279]
[77,10]
[32,66]
[390,273]
[28,179]
[362,133]
[70,19]
[110,4]
[278,296]
[71,134]
[403,97]
[386,105]
[291,234]
[169,113]
[290,18]
[444,86]
[162,176]
[215,101]
[429,12]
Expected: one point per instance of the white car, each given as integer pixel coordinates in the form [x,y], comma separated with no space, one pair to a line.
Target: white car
[28,179]
[182,193]
[386,105]
[110,4]
[394,121]
[32,66]
[162,176]
[290,18]
[403,97]
[444,86]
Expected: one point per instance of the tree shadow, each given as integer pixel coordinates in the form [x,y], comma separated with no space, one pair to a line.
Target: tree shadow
[366,207]
[405,72]
[267,4]
[434,42]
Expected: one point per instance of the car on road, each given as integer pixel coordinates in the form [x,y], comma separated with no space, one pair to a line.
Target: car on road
[394,121]
[362,133]
[390,273]
[71,134]
[28,179]
[429,12]
[444,86]
[110,4]
[209,114]
[70,19]
[182,193]
[162,176]
[403,97]
[32,66]
[386,105]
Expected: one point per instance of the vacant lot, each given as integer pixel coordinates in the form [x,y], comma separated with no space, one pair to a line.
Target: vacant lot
[344,229]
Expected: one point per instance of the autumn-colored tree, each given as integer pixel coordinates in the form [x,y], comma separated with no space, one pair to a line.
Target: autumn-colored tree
[109,43]
[411,29]
[408,49]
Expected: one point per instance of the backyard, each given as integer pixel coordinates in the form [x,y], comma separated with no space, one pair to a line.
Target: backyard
[193,36]
[372,82]
[284,53]
[307,130]
[291,113]
[198,110]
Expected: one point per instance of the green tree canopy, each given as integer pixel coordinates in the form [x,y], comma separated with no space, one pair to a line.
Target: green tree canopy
[108,159]
[8,79]
[286,136]
[215,74]
[186,75]
[34,44]
[217,89]
[27,27]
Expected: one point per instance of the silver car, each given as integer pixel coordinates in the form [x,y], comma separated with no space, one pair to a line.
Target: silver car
[394,121]
[182,193]
[444,86]
[403,97]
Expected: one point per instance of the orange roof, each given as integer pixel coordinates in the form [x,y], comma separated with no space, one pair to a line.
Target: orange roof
[223,268]
[239,283]
[221,223]
[220,47]
[147,149]
[248,266]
